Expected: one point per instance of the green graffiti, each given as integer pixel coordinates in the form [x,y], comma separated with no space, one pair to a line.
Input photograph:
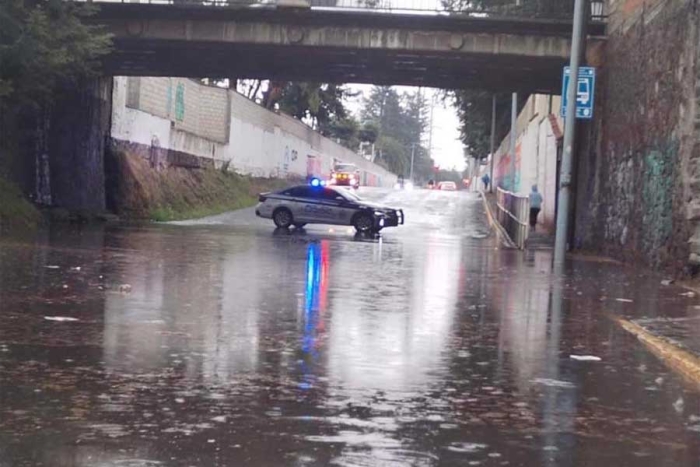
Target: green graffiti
[180,102]
[169,101]
[657,192]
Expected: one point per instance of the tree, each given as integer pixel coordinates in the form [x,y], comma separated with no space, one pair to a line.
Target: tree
[345,132]
[474,111]
[369,132]
[527,8]
[401,121]
[43,44]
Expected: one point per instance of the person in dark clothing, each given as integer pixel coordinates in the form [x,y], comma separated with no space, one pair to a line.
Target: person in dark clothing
[535,206]
[486,180]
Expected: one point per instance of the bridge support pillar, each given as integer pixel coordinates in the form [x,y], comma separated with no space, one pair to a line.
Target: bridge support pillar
[79,127]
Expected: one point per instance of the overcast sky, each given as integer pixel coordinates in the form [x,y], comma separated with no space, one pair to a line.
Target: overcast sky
[447,148]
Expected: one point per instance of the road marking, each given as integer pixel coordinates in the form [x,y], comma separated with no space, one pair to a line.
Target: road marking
[679,360]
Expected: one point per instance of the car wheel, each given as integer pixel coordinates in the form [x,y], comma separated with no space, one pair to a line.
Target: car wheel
[282,218]
[363,222]
[299,225]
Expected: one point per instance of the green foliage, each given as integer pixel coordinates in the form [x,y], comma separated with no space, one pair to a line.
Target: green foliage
[15,210]
[401,121]
[321,103]
[44,43]
[369,132]
[474,111]
[524,8]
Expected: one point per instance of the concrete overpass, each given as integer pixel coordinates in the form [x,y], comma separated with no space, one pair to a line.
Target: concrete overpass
[304,44]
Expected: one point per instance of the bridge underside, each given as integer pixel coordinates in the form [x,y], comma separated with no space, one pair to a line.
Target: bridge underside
[299,63]
[306,45]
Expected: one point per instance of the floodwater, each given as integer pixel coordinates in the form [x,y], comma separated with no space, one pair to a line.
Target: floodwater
[222,342]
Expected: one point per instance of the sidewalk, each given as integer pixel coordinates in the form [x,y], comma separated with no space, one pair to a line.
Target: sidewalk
[669,329]
[537,240]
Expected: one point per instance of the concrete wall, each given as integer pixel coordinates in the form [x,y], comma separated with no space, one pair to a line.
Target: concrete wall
[638,182]
[535,153]
[227,128]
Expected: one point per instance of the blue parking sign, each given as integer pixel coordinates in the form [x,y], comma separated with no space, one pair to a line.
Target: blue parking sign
[585,92]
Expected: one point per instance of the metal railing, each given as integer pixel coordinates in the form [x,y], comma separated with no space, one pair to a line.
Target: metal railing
[514,215]
[532,9]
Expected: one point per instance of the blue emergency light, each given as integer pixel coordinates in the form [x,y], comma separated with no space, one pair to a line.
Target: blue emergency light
[315,182]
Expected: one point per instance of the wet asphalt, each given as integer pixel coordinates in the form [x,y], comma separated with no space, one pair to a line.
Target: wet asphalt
[223,342]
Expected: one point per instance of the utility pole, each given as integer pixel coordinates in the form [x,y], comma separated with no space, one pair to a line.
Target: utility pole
[513,124]
[493,139]
[562,232]
[430,134]
[413,153]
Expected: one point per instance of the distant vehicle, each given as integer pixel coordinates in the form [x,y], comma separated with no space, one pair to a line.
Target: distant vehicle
[316,204]
[345,175]
[447,186]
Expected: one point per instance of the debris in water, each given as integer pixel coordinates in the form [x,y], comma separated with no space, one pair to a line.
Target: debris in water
[624,300]
[688,294]
[585,358]
[51,266]
[466,447]
[125,288]
[60,318]
[554,383]
[679,405]
[667,282]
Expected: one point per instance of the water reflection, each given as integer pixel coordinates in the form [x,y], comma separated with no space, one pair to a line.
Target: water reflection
[430,348]
[391,321]
[315,302]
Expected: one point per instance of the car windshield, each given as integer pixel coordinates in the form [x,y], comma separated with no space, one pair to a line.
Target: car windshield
[345,168]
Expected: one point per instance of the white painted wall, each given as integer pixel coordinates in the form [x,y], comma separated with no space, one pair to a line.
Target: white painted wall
[536,154]
[260,142]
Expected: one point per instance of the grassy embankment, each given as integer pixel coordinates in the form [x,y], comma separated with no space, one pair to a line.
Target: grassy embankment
[15,211]
[140,192]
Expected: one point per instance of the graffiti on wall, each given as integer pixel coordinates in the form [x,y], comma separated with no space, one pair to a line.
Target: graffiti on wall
[290,155]
[657,192]
[180,102]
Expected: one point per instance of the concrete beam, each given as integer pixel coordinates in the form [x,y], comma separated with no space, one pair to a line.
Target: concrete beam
[448,52]
[356,38]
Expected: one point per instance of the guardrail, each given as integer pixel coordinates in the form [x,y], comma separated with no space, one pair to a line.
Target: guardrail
[513,215]
[532,9]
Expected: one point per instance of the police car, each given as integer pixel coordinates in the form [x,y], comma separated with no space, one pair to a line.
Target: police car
[318,204]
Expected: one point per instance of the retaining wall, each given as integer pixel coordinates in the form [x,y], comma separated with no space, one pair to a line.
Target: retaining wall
[168,119]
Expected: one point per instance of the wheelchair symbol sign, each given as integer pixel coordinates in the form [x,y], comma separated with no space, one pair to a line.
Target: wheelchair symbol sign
[585,92]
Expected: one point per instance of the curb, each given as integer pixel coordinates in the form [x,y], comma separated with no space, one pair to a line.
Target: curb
[500,231]
[679,360]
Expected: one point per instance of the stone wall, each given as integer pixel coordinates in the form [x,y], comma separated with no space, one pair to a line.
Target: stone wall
[633,187]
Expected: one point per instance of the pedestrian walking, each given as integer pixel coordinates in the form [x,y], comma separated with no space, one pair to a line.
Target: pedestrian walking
[487,180]
[535,206]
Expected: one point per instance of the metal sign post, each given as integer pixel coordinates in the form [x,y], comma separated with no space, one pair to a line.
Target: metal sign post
[577,40]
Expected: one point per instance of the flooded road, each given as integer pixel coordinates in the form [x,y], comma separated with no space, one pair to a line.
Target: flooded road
[222,342]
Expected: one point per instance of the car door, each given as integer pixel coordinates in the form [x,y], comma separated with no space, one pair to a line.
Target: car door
[332,208]
[346,208]
[298,200]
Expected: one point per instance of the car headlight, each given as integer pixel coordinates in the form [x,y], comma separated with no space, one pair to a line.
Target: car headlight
[409,186]
[397,186]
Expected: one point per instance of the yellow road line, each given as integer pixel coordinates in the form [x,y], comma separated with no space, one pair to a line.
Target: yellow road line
[679,360]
